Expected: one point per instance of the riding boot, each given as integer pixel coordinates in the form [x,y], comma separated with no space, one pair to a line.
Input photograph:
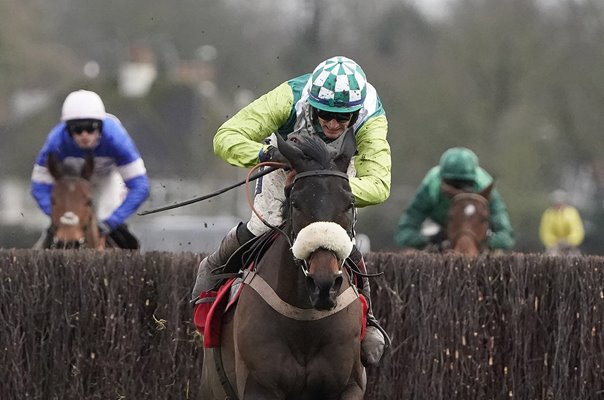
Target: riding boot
[376,338]
[230,243]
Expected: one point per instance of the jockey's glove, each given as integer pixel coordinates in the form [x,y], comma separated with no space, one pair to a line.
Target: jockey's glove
[437,238]
[271,153]
[104,228]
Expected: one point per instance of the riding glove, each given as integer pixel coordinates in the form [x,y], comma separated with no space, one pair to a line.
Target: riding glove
[273,154]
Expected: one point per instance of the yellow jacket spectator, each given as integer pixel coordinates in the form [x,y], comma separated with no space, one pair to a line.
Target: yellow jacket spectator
[561,226]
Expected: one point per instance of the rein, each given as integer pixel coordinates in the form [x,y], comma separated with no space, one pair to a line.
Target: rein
[249,178]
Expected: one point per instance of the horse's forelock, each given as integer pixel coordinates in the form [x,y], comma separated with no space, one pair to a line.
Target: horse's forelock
[317,154]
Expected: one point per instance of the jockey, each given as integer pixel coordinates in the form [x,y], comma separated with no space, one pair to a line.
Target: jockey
[331,100]
[459,168]
[561,227]
[119,181]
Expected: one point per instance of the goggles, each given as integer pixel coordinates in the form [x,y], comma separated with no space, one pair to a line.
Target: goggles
[328,116]
[79,126]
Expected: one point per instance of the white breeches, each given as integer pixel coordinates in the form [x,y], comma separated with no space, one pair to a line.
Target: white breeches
[108,193]
[267,201]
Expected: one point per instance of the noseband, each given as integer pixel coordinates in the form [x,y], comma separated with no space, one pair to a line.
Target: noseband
[292,236]
[69,218]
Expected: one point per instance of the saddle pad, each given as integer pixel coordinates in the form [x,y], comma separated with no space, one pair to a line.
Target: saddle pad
[364,311]
[208,314]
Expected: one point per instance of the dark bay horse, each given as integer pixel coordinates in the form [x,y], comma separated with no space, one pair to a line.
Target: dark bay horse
[73,219]
[468,219]
[295,333]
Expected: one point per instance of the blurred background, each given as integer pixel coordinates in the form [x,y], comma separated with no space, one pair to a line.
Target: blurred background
[520,82]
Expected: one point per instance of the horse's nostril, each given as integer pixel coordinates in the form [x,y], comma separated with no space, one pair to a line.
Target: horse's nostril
[337,284]
[310,285]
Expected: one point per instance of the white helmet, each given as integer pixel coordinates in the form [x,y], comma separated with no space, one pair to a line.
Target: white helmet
[83,104]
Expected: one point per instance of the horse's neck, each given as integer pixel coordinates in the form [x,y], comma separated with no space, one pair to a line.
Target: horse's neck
[284,276]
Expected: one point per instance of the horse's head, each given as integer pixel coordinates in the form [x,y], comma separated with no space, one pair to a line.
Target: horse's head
[319,213]
[72,215]
[468,219]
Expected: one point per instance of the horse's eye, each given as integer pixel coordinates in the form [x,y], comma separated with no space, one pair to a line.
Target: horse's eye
[89,203]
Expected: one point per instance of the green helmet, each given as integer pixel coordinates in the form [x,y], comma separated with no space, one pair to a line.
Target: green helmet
[338,85]
[458,163]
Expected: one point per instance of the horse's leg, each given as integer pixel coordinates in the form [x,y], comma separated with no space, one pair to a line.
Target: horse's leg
[355,390]
[254,391]
[209,378]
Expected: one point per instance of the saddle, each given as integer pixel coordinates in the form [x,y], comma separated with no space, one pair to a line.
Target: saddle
[213,304]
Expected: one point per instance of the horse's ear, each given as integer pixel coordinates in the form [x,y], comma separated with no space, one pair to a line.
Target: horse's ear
[347,151]
[290,151]
[54,166]
[449,190]
[88,167]
[486,192]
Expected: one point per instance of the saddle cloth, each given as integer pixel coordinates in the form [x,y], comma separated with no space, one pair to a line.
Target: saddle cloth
[214,304]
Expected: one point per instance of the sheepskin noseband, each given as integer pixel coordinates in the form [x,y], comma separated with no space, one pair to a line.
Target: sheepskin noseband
[326,235]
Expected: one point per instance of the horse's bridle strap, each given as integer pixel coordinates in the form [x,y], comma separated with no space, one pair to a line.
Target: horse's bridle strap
[320,172]
[267,293]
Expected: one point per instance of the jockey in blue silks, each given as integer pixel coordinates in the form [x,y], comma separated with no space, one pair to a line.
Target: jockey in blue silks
[119,181]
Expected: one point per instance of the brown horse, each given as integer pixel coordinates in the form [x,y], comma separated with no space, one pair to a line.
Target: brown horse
[295,333]
[74,223]
[468,219]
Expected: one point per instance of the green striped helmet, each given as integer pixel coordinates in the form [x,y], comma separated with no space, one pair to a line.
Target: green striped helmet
[338,85]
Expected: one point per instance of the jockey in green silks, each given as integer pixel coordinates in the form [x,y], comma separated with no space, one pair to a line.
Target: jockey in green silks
[458,167]
[328,102]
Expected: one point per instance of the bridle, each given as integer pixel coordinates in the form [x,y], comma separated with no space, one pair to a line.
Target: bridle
[303,264]
[291,235]
[69,218]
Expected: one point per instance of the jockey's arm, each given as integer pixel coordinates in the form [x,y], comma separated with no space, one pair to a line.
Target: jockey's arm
[373,163]
[132,169]
[502,234]
[41,180]
[239,140]
[138,191]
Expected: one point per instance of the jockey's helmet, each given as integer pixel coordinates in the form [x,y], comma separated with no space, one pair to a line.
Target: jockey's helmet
[338,85]
[458,163]
[83,104]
